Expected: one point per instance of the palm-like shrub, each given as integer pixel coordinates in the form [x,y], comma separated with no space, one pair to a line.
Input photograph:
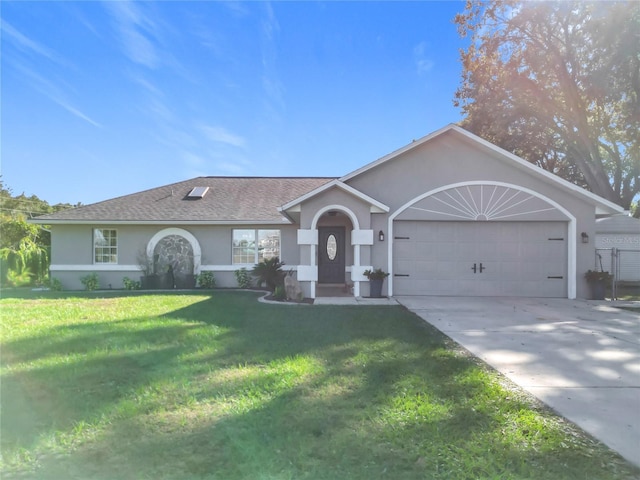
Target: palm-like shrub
[269,272]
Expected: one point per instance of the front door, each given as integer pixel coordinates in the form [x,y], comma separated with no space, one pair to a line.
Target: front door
[331,255]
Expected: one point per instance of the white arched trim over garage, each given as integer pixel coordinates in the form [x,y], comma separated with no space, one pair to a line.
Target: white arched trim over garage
[193,241]
[477,213]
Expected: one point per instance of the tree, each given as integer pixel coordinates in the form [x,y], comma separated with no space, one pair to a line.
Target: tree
[24,247]
[26,259]
[557,83]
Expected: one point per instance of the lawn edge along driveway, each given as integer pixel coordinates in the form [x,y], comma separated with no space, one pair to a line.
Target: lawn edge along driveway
[581,358]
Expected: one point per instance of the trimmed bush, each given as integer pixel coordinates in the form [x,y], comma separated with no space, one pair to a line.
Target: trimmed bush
[243,277]
[90,282]
[130,284]
[206,280]
[56,285]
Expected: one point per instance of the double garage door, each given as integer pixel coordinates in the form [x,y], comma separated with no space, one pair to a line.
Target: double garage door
[480,258]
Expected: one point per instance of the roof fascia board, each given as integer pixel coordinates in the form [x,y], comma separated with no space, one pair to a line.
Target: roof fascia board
[338,184]
[603,206]
[285,221]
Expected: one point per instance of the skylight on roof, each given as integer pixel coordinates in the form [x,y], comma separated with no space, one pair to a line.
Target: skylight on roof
[198,192]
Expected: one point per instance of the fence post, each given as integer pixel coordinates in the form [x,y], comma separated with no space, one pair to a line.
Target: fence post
[614,273]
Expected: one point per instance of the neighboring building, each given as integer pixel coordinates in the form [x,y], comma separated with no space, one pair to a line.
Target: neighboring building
[619,235]
[449,214]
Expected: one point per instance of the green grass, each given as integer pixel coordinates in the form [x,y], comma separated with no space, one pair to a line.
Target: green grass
[135,386]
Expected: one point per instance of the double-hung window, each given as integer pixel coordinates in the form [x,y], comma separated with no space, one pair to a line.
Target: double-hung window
[251,246]
[105,245]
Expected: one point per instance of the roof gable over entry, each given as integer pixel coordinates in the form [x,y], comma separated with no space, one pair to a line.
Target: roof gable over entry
[295,205]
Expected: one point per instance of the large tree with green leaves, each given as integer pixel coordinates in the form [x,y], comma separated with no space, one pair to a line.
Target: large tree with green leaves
[558,83]
[24,247]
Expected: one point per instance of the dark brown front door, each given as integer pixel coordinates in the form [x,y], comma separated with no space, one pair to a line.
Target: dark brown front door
[331,258]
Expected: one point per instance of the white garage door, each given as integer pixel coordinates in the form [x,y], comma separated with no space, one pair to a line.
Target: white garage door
[480,258]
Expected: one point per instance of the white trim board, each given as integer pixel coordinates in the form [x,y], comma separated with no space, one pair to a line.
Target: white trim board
[183,223]
[96,267]
[136,268]
[233,268]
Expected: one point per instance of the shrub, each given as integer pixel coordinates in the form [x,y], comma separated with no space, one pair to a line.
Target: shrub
[56,285]
[130,284]
[90,282]
[243,277]
[280,293]
[270,273]
[375,274]
[206,280]
[594,276]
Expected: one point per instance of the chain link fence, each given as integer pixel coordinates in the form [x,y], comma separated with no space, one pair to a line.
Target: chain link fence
[622,263]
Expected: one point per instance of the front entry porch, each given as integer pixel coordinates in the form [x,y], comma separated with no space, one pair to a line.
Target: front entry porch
[334,290]
[333,246]
[354,301]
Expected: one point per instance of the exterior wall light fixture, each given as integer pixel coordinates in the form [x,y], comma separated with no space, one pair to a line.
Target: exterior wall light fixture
[585,237]
[381,236]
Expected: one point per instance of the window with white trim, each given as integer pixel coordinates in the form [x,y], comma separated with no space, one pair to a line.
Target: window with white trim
[251,246]
[105,245]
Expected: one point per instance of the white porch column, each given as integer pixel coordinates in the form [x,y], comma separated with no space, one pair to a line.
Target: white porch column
[309,272]
[361,237]
[307,237]
[358,238]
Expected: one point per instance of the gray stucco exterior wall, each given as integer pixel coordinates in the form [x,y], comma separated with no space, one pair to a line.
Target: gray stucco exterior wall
[72,251]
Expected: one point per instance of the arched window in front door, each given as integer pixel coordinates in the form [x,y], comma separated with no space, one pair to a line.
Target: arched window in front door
[332,247]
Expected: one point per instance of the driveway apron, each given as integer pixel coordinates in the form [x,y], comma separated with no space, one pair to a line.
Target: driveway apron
[581,358]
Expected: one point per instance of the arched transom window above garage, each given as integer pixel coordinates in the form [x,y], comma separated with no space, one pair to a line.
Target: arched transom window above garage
[479,201]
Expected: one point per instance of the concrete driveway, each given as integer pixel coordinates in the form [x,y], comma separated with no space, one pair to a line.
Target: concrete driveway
[582,358]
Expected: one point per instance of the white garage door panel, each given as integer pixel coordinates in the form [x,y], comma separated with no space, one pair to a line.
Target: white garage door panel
[518,258]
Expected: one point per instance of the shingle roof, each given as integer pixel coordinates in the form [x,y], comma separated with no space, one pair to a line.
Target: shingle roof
[229,199]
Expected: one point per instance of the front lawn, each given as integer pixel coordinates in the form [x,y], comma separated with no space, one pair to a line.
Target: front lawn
[187,386]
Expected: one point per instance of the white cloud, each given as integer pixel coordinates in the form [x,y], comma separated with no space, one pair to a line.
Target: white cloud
[136,31]
[423,63]
[148,86]
[27,44]
[54,93]
[274,99]
[71,109]
[222,135]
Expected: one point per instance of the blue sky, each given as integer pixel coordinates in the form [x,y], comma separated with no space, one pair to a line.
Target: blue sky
[101,99]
